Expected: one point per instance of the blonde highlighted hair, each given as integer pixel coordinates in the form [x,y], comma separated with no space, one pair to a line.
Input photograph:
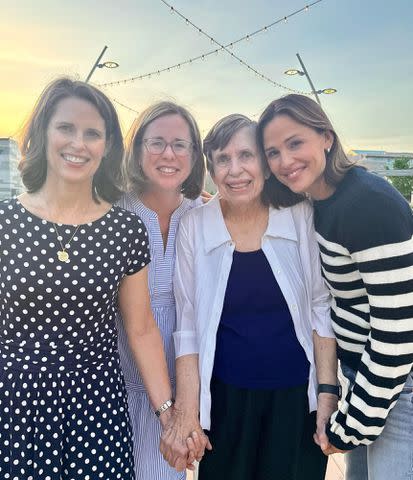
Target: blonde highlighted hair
[135,178]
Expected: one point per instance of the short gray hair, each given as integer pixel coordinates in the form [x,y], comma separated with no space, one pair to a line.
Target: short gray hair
[222,132]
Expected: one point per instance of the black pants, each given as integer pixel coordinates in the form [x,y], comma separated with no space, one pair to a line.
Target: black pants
[261,435]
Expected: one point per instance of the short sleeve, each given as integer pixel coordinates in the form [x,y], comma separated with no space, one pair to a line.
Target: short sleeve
[139,255]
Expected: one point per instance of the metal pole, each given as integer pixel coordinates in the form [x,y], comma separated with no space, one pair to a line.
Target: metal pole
[309,79]
[96,64]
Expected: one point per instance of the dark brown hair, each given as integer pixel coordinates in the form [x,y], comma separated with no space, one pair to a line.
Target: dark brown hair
[135,178]
[33,166]
[305,111]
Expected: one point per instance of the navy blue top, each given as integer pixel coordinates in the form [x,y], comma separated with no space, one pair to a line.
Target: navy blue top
[256,343]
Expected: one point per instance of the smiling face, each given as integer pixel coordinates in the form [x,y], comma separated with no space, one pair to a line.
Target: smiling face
[237,169]
[75,141]
[168,170]
[296,155]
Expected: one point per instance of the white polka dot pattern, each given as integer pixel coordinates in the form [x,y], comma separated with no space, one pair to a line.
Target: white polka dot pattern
[63,408]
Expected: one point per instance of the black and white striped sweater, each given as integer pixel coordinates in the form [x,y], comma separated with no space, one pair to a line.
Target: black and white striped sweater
[365,234]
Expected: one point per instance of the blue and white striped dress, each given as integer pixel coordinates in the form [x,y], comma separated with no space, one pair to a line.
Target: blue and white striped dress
[149,463]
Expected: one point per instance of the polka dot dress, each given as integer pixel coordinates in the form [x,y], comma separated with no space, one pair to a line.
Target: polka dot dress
[63,405]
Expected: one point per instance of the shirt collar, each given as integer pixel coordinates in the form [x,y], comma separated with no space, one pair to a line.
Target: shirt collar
[280,224]
[214,228]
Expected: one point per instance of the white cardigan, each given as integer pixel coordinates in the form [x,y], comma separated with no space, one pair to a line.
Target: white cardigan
[203,262]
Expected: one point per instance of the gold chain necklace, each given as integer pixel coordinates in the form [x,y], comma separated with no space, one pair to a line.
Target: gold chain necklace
[62,254]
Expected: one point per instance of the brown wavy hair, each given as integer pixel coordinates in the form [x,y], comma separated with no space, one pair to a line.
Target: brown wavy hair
[107,180]
[306,111]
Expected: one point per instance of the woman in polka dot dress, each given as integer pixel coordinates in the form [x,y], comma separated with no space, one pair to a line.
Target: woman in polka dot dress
[67,259]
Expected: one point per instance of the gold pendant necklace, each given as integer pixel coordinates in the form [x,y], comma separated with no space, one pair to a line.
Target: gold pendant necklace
[62,254]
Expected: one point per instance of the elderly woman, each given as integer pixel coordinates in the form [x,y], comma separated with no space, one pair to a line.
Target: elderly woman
[253,327]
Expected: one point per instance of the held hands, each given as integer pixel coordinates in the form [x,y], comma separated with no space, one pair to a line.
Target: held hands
[183,440]
[327,404]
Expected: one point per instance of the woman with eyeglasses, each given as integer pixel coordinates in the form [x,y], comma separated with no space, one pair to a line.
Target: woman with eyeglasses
[165,172]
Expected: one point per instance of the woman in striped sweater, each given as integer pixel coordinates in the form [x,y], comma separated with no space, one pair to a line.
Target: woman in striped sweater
[364,229]
[165,172]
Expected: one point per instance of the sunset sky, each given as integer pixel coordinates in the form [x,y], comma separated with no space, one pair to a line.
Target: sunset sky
[363,48]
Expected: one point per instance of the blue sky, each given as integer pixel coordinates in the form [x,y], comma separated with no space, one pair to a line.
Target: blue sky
[361,48]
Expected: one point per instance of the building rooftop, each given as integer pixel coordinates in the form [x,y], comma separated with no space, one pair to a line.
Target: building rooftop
[381,153]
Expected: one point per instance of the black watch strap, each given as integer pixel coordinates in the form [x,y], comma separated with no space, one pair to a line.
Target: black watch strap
[327,388]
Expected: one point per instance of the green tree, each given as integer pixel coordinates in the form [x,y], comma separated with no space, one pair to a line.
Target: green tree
[403,184]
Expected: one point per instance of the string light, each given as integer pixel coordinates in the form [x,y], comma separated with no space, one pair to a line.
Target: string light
[241,61]
[123,105]
[221,48]
[114,100]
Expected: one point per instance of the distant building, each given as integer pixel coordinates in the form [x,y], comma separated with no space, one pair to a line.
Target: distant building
[378,161]
[10,183]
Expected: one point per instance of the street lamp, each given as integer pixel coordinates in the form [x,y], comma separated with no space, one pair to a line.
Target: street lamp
[294,71]
[108,64]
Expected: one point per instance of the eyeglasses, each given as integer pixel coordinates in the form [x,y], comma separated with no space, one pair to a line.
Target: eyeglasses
[156,146]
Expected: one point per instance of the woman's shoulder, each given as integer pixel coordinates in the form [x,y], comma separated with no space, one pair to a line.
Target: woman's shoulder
[372,212]
[193,214]
[125,218]
[204,220]
[360,185]
[9,208]
[8,203]
[300,212]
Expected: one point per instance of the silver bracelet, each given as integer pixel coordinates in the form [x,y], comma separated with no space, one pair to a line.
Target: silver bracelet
[164,407]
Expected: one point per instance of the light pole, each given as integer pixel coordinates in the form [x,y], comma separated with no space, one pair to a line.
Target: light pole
[101,65]
[293,71]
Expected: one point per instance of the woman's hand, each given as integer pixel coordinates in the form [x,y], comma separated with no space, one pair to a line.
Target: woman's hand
[183,440]
[327,404]
[205,196]
[197,443]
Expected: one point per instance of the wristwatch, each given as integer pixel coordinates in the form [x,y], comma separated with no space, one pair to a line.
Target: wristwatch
[327,388]
[164,407]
